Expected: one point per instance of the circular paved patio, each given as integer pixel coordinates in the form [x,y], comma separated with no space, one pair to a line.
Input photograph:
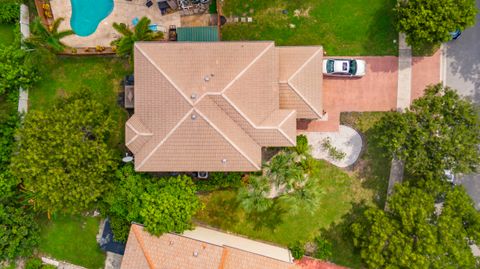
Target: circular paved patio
[346,140]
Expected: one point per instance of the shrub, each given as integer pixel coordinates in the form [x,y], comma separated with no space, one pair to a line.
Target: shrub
[9,12]
[324,249]
[333,152]
[212,9]
[33,263]
[220,180]
[302,147]
[297,249]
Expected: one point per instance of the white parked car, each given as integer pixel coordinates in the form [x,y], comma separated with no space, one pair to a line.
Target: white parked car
[344,67]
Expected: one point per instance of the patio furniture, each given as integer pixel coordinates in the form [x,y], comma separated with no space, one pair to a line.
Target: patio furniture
[135,21]
[153,27]
[163,6]
[149,3]
[172,33]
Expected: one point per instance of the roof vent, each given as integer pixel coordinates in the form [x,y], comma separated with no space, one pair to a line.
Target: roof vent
[224,161]
[193,96]
[206,78]
[195,253]
[194,116]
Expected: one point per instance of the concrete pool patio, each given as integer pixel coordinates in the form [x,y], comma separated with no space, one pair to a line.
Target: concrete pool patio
[123,11]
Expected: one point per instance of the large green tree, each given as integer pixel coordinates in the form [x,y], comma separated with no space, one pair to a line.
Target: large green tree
[439,132]
[429,227]
[169,205]
[141,32]
[431,21]
[161,204]
[63,158]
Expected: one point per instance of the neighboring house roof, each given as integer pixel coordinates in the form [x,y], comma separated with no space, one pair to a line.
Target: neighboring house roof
[201,248]
[212,106]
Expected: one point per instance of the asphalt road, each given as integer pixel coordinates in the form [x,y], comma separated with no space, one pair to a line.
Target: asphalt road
[462,72]
[462,68]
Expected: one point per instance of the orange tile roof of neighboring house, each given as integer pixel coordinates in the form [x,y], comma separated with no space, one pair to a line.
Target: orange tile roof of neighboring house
[213,106]
[172,251]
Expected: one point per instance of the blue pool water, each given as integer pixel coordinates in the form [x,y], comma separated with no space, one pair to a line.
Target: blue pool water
[87,14]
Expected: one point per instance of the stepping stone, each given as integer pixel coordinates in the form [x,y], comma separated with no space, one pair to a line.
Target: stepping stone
[243,19]
[235,19]
[249,19]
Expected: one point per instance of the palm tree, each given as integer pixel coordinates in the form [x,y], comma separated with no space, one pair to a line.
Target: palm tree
[305,198]
[47,38]
[141,32]
[254,197]
[282,170]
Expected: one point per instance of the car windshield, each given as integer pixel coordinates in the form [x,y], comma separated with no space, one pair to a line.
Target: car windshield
[353,67]
[330,64]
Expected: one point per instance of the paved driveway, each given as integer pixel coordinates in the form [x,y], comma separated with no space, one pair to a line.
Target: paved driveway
[463,62]
[376,91]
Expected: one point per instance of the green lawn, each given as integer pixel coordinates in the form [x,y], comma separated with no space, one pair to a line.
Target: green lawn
[6,34]
[72,239]
[68,74]
[358,27]
[346,194]
[343,194]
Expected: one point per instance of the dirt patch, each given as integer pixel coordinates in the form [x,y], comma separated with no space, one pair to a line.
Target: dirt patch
[195,20]
[302,12]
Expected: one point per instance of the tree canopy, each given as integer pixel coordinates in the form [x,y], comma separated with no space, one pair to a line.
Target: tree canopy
[63,158]
[141,32]
[161,204]
[47,38]
[432,21]
[15,72]
[439,132]
[430,227]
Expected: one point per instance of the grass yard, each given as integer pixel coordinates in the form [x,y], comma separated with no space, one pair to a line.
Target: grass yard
[6,34]
[343,194]
[72,239]
[346,194]
[359,27]
[69,74]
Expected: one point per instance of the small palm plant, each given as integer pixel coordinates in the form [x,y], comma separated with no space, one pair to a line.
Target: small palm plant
[253,198]
[141,32]
[49,38]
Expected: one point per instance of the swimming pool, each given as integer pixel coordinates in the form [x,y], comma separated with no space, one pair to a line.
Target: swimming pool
[87,14]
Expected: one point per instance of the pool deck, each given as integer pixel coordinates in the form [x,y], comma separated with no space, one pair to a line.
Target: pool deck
[123,11]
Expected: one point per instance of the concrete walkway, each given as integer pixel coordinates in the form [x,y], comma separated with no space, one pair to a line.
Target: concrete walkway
[404,83]
[25,31]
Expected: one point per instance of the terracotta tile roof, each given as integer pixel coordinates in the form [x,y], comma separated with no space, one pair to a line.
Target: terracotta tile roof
[301,80]
[172,251]
[212,106]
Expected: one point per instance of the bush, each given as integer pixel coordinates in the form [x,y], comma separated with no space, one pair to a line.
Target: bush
[120,228]
[9,12]
[33,263]
[212,9]
[324,249]
[220,180]
[14,71]
[302,147]
[297,250]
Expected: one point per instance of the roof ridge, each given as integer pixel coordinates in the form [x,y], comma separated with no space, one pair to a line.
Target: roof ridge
[137,133]
[260,55]
[292,85]
[215,127]
[142,246]
[164,139]
[252,123]
[165,75]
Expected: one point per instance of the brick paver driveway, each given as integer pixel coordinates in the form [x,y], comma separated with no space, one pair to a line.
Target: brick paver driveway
[376,91]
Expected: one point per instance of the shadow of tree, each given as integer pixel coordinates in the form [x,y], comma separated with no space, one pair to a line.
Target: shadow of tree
[269,219]
[340,236]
